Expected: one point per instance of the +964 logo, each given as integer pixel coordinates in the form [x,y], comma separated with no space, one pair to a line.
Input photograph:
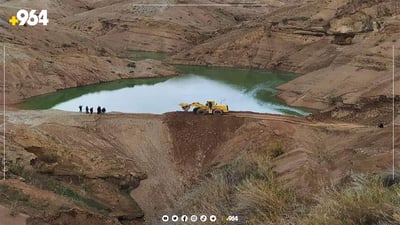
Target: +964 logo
[29,17]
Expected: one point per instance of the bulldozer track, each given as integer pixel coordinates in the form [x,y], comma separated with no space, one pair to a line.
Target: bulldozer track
[294,120]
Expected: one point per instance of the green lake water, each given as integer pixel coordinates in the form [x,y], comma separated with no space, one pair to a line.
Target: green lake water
[241,89]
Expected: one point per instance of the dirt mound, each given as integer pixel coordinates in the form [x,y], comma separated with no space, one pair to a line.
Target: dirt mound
[196,139]
[370,111]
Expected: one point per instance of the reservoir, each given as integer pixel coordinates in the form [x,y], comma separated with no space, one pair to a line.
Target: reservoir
[240,89]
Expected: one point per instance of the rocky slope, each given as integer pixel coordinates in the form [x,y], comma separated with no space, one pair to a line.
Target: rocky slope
[79,45]
[41,59]
[85,166]
[130,169]
[342,48]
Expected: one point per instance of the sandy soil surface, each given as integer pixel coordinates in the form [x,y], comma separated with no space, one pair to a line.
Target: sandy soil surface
[7,219]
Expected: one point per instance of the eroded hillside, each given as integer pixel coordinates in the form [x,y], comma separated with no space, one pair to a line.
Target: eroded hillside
[65,167]
[124,167]
[342,48]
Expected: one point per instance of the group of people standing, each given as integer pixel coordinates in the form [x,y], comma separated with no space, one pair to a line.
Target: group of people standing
[100,110]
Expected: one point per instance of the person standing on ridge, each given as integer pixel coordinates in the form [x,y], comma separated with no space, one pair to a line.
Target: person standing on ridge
[91,110]
[103,110]
[98,109]
[80,108]
[87,109]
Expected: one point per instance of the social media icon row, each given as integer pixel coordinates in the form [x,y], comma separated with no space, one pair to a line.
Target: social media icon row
[184,218]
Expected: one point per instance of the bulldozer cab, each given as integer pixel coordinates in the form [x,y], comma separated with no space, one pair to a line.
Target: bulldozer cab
[210,103]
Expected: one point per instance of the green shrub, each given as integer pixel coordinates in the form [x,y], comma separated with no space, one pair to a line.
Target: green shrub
[69,193]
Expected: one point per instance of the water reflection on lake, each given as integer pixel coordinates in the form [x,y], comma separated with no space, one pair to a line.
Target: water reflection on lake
[242,90]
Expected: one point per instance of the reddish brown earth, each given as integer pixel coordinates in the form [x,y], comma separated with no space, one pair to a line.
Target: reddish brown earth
[128,169]
[303,39]
[159,157]
[9,219]
[79,46]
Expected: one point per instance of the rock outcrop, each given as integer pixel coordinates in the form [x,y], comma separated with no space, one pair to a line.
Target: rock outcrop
[359,22]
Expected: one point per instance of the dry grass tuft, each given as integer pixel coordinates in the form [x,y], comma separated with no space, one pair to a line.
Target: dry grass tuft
[248,188]
[245,187]
[365,201]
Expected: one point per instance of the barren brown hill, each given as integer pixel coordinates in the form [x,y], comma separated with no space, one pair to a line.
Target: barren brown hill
[118,169]
[343,48]
[307,39]
[84,41]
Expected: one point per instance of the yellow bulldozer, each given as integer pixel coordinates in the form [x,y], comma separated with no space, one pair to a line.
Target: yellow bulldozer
[211,107]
